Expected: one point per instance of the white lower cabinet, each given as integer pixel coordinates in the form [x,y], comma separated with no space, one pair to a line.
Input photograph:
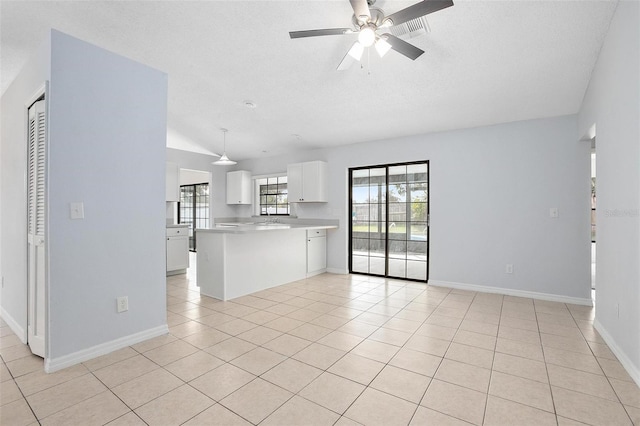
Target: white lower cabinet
[316,251]
[177,249]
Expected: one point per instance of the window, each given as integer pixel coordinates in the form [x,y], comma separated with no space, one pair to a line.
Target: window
[273,195]
[194,209]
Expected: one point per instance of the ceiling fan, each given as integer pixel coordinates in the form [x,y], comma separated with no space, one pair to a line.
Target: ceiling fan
[372,27]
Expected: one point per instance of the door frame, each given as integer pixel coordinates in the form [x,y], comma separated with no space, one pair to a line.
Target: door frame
[192,227]
[41,348]
[350,202]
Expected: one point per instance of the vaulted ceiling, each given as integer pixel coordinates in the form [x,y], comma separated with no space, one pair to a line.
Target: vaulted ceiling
[486,62]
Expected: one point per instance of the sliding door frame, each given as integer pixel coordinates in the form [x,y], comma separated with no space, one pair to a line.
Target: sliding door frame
[387,221]
[193,207]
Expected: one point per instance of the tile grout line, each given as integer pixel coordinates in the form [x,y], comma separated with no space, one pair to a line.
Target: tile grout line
[321,295]
[394,316]
[21,392]
[544,358]
[493,359]
[327,371]
[604,373]
[260,376]
[439,364]
[385,364]
[347,352]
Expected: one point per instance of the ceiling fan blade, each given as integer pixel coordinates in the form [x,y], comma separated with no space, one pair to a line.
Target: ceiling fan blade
[323,32]
[423,8]
[353,55]
[401,46]
[361,10]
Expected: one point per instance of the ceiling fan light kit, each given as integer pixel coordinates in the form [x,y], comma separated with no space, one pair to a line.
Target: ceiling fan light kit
[367,35]
[382,47]
[367,21]
[356,51]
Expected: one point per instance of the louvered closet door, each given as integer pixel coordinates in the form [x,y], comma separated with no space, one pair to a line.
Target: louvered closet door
[36,204]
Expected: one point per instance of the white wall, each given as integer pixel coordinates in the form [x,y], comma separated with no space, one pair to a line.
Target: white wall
[612,103]
[187,177]
[107,137]
[491,191]
[202,162]
[13,194]
[191,177]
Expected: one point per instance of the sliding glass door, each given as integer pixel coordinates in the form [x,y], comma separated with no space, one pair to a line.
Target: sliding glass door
[368,228]
[193,209]
[389,220]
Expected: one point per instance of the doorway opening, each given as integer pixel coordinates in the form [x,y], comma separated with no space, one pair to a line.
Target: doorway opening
[194,205]
[389,220]
[193,209]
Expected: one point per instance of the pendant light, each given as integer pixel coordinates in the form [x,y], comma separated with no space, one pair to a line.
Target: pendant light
[224,160]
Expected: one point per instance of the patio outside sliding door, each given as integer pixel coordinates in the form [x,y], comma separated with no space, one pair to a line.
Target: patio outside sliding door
[389,228]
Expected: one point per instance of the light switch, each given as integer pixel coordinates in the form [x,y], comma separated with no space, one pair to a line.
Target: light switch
[553,212]
[76,210]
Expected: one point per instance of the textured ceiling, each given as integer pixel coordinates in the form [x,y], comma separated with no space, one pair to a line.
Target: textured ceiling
[486,62]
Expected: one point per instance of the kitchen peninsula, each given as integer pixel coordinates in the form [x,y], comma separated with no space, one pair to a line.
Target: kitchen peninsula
[235,259]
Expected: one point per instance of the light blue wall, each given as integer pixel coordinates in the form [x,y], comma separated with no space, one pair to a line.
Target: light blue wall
[491,191]
[107,149]
[612,104]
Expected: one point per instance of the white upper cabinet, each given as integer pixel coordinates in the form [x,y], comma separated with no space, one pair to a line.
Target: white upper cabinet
[173,182]
[239,187]
[307,182]
[294,182]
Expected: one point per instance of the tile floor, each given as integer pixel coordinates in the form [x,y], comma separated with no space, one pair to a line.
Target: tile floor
[337,350]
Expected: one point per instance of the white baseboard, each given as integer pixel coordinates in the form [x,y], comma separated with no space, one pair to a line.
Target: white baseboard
[632,369]
[337,271]
[55,364]
[314,273]
[14,326]
[513,292]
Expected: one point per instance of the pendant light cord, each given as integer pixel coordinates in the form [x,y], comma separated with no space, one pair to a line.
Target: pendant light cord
[224,141]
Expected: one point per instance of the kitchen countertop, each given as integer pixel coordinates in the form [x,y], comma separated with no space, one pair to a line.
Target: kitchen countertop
[245,228]
[275,250]
[178,225]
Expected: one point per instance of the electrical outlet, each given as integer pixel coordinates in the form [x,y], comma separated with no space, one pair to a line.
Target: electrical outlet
[554,213]
[123,304]
[508,269]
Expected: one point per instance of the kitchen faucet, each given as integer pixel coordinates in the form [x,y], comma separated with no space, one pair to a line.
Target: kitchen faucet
[269,220]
